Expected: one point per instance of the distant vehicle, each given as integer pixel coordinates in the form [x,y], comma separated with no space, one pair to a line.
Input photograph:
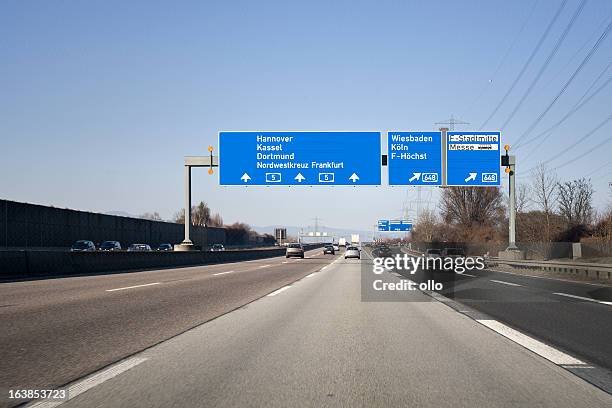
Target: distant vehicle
[433,253]
[342,242]
[352,252]
[453,253]
[139,248]
[383,251]
[329,249]
[354,239]
[217,248]
[165,247]
[295,250]
[83,246]
[110,246]
[336,247]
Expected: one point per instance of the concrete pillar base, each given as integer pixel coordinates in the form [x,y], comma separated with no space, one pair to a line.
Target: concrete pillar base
[185,246]
[512,255]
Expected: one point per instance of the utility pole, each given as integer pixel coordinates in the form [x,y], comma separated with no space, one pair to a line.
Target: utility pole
[512,207]
[451,122]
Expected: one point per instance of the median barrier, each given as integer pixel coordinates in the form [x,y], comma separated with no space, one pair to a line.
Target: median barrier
[26,264]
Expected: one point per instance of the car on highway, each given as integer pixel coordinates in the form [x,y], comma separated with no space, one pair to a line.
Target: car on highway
[433,253]
[352,252]
[336,247]
[110,246]
[165,247]
[217,248]
[329,249]
[294,250]
[139,248]
[83,245]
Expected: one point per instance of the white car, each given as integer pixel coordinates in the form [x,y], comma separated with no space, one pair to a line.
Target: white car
[352,252]
[336,247]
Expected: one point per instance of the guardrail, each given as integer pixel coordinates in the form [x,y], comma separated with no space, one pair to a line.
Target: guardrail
[27,264]
[577,269]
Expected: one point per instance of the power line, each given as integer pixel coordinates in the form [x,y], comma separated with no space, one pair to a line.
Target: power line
[549,131]
[547,62]
[579,104]
[502,61]
[582,139]
[526,65]
[586,59]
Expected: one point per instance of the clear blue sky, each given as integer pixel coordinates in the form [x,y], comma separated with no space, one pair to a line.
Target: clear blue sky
[100,100]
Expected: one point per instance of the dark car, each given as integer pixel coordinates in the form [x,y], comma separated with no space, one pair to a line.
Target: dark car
[329,249]
[165,247]
[83,246]
[110,246]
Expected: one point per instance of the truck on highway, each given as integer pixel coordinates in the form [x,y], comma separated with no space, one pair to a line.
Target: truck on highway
[355,239]
[342,242]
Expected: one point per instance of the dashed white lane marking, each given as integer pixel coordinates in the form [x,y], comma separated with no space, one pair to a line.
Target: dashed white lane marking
[276,292]
[222,273]
[311,275]
[583,298]
[264,266]
[92,381]
[544,350]
[132,287]
[467,274]
[505,283]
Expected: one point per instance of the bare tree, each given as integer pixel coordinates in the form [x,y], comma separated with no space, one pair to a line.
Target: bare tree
[522,198]
[426,227]
[151,216]
[200,214]
[576,201]
[216,221]
[543,191]
[469,206]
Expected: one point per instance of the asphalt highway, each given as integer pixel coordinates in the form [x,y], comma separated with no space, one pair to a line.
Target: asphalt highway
[297,332]
[576,317]
[57,330]
[316,343]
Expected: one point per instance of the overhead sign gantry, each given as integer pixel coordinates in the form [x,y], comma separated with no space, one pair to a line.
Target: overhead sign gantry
[299,158]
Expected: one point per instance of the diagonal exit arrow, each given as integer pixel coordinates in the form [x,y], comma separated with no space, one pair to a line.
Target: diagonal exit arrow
[471,177]
[415,176]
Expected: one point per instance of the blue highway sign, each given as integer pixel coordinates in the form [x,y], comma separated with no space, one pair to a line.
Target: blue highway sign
[415,158]
[383,225]
[296,158]
[473,158]
[399,225]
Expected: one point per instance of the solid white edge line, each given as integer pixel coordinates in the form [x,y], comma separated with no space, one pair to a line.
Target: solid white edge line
[505,283]
[541,349]
[222,273]
[311,275]
[132,287]
[583,298]
[276,292]
[90,382]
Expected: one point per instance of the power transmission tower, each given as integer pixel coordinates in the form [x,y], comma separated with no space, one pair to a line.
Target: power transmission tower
[451,122]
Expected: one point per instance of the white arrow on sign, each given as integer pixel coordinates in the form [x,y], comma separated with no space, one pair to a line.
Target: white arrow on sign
[245,177]
[354,177]
[300,178]
[415,176]
[471,177]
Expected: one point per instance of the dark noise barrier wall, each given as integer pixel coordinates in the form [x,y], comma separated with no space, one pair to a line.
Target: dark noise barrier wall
[25,225]
[25,264]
